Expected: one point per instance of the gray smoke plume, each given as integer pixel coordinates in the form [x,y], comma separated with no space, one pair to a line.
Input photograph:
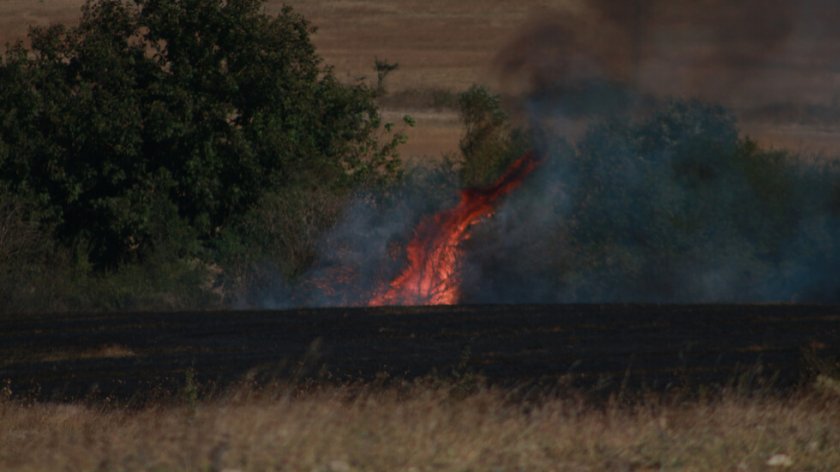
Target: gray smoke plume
[648,191]
[366,248]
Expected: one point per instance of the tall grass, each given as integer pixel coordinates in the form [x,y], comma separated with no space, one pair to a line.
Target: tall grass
[425,428]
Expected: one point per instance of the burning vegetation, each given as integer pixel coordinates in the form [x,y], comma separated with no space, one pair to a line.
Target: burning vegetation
[664,205]
[432,275]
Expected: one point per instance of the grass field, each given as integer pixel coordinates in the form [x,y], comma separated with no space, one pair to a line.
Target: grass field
[425,427]
[450,45]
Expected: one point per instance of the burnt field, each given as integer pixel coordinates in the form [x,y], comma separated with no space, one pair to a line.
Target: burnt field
[603,348]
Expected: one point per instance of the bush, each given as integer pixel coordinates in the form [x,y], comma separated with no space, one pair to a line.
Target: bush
[24,247]
[276,242]
[153,134]
[672,207]
[206,104]
[490,144]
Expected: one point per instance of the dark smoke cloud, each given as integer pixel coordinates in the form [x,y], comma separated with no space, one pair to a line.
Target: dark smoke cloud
[725,51]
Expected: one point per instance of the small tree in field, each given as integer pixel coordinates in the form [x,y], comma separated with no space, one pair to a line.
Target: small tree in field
[489,143]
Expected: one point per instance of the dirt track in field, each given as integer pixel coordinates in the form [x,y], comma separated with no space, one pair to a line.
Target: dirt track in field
[602,347]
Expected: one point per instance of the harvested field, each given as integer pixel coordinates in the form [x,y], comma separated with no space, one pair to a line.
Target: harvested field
[600,348]
[447,46]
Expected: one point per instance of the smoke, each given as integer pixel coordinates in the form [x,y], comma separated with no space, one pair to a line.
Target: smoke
[669,206]
[357,257]
[647,192]
[737,53]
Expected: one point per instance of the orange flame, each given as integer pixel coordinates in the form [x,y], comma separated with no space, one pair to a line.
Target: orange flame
[431,277]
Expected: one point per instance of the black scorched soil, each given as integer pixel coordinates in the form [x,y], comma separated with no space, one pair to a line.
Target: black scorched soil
[601,347]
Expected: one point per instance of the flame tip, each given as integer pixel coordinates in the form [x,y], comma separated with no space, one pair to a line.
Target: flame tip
[431,277]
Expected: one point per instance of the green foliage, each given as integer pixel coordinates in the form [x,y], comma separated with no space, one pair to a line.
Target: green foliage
[201,104]
[24,247]
[489,143]
[277,240]
[150,137]
[39,275]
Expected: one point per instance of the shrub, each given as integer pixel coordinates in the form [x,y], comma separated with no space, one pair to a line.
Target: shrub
[489,143]
[203,104]
[671,207]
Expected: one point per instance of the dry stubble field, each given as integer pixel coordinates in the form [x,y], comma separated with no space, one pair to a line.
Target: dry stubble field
[447,46]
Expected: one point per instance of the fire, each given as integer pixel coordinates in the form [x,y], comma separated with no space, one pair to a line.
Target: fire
[432,274]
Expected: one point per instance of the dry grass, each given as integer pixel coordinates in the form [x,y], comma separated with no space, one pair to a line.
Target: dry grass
[424,428]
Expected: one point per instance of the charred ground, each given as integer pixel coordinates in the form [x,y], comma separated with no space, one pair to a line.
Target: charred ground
[600,348]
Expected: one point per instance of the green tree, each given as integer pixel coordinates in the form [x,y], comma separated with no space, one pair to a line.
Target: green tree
[490,143]
[159,114]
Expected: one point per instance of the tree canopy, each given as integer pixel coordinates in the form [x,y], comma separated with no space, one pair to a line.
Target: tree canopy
[155,121]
